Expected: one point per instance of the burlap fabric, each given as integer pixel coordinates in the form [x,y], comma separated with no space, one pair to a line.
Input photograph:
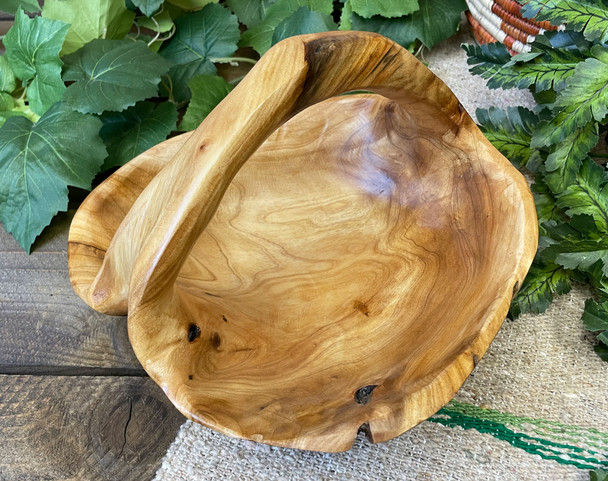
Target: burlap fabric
[536,406]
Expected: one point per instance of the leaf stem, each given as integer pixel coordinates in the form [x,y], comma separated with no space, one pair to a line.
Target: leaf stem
[157,31]
[235,81]
[233,60]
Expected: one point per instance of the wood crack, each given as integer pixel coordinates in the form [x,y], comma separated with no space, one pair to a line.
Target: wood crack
[126,427]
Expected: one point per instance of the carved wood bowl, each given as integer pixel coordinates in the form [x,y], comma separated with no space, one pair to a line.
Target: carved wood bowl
[350,274]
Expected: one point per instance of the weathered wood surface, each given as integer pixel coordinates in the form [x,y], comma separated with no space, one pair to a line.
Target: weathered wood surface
[83,428]
[44,326]
[289,286]
[74,404]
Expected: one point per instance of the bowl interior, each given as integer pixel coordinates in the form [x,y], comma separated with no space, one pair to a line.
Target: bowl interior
[358,250]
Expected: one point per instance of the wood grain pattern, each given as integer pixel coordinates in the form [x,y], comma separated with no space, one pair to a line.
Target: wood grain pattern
[83,429]
[348,274]
[44,327]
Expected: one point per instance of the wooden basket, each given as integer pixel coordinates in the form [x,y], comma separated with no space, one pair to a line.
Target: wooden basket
[501,21]
[305,264]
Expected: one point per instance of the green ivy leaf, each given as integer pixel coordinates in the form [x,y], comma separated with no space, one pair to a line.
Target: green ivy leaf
[588,195]
[89,20]
[161,22]
[148,7]
[191,5]
[303,21]
[386,8]
[202,38]
[346,17]
[260,36]
[11,6]
[537,291]
[207,92]
[250,12]
[583,99]
[32,49]
[7,76]
[112,75]
[39,161]
[510,132]
[7,102]
[14,112]
[565,160]
[435,21]
[397,29]
[587,16]
[135,130]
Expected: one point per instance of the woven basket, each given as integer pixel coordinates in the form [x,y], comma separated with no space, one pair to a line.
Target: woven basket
[501,21]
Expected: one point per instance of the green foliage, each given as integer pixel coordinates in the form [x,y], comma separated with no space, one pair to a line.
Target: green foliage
[588,194]
[160,22]
[598,474]
[433,22]
[584,98]
[346,17]
[546,69]
[133,131]
[6,102]
[510,131]
[260,36]
[191,5]
[202,38]
[595,318]
[488,61]
[303,21]
[250,12]
[207,92]
[543,281]
[148,7]
[11,6]
[565,159]
[587,16]
[386,8]
[7,76]
[32,49]
[89,20]
[39,161]
[546,204]
[568,75]
[94,76]
[112,75]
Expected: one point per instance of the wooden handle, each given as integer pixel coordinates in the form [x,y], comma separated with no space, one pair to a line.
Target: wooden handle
[152,243]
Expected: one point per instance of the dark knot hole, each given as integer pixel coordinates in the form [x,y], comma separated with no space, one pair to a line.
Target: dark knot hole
[193,332]
[364,394]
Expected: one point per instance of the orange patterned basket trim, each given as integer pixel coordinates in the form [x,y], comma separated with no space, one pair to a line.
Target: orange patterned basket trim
[517,22]
[482,36]
[493,24]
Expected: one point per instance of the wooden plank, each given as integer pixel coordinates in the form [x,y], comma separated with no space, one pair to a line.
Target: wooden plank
[83,428]
[43,322]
